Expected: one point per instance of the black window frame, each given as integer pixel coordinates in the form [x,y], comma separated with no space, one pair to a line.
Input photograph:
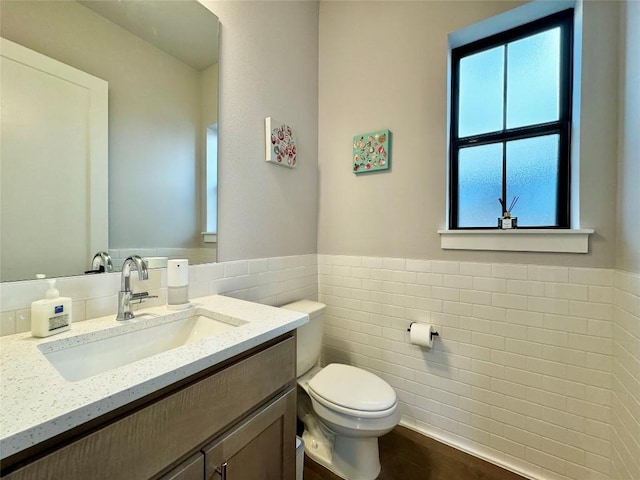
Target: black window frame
[562,126]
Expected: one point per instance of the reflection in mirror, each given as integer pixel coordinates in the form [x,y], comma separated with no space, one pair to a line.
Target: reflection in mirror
[159,61]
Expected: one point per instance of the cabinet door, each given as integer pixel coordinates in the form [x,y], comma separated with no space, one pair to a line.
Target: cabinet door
[261,448]
[190,469]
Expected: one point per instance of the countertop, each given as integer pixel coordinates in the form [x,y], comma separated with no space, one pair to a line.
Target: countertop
[37,403]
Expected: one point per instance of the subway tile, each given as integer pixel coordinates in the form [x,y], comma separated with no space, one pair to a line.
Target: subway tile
[443,293]
[546,460]
[566,291]
[509,330]
[564,387]
[509,389]
[487,368]
[475,269]
[548,305]
[523,377]
[490,284]
[434,279]
[565,323]
[600,294]
[564,355]
[8,323]
[371,262]
[450,268]
[489,341]
[523,347]
[600,311]
[546,367]
[548,274]
[590,344]
[598,462]
[413,265]
[524,287]
[548,399]
[529,319]
[394,263]
[457,281]
[457,308]
[23,320]
[509,271]
[475,297]
[489,313]
[591,276]
[506,300]
[547,337]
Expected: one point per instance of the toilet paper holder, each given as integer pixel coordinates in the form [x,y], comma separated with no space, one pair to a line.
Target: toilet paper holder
[433,334]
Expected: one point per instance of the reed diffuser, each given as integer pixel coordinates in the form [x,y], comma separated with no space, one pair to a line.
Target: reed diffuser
[507,222]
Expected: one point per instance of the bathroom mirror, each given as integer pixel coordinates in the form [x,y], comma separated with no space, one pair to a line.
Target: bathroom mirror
[159,59]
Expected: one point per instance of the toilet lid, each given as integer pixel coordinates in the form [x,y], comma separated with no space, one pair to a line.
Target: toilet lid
[353,388]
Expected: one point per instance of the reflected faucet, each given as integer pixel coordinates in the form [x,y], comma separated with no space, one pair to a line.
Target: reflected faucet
[126,296]
[101,263]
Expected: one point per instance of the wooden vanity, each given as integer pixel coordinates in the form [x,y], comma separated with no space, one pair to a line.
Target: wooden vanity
[220,408]
[235,421]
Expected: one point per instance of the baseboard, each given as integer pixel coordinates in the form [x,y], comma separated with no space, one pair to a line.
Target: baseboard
[471,451]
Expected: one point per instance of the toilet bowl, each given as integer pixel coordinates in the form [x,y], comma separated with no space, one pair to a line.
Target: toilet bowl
[344,409]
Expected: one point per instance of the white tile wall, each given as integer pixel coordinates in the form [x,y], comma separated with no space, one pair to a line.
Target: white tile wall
[524,368]
[626,376]
[537,368]
[272,281]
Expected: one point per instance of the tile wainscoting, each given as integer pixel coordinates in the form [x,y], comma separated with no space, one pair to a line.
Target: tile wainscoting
[271,281]
[526,372]
[537,368]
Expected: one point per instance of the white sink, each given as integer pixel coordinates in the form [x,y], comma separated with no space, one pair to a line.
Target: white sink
[84,356]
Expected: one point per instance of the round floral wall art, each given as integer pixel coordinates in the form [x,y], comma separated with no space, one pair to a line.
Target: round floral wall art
[280,143]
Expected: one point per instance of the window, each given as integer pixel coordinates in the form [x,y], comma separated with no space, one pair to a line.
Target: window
[510,126]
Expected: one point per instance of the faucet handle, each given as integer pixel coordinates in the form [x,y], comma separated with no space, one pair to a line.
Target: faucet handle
[140,297]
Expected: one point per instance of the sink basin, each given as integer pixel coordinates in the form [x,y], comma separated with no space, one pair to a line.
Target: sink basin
[77,358]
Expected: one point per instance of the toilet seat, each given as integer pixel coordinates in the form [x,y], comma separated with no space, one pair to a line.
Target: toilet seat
[353,391]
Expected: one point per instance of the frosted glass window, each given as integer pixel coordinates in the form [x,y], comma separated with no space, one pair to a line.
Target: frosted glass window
[533,79]
[481,92]
[479,185]
[510,126]
[532,175]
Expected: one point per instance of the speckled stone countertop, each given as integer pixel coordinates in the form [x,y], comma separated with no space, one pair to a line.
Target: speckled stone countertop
[37,403]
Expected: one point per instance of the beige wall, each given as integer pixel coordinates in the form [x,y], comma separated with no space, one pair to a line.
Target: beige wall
[151,96]
[268,67]
[386,67]
[628,218]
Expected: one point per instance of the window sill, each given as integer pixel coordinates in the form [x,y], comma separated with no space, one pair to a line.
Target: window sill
[209,237]
[518,240]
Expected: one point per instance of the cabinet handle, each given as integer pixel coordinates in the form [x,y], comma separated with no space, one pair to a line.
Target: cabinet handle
[222,471]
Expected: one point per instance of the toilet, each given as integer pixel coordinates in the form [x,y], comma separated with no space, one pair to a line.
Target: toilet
[344,409]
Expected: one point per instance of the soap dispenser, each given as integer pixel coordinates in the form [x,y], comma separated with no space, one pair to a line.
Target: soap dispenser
[52,314]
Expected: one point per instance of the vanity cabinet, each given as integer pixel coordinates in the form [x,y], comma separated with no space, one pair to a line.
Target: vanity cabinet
[190,469]
[254,449]
[238,417]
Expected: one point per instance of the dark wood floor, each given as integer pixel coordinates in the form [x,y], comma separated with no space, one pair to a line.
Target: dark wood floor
[408,455]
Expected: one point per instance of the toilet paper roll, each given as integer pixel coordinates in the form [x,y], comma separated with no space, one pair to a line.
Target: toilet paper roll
[178,273]
[421,334]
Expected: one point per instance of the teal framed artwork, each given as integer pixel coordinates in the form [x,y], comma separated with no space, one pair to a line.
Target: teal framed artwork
[371,152]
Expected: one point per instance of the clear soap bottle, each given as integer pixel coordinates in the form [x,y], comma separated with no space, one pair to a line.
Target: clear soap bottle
[52,314]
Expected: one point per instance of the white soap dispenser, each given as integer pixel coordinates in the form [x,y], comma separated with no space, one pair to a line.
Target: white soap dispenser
[52,314]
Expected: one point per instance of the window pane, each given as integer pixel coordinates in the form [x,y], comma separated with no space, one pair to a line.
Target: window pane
[479,185]
[533,79]
[532,174]
[481,92]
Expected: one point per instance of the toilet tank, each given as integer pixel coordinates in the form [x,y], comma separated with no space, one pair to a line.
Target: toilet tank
[309,335]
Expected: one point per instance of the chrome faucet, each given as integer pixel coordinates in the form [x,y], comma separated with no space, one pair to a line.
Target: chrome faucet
[101,263]
[126,296]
